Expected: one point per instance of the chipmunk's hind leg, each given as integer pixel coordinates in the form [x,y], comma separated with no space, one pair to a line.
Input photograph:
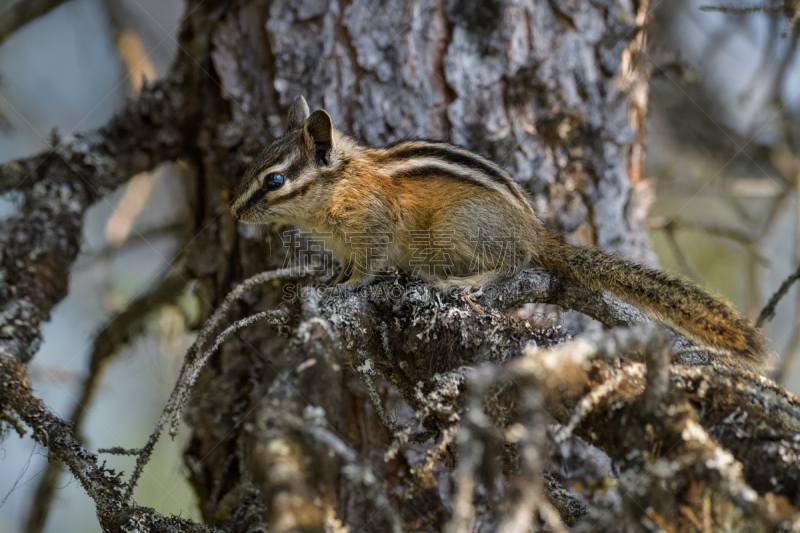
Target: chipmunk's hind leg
[358,269]
[344,274]
[487,278]
[494,252]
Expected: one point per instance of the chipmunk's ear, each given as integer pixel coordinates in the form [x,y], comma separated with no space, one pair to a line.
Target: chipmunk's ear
[318,136]
[297,114]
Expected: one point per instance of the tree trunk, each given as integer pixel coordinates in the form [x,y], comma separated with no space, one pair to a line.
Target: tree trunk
[553,91]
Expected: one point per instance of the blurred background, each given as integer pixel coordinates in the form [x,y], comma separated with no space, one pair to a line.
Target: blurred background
[723,139]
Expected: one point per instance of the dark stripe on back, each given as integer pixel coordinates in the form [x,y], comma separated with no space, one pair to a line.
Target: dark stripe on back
[441,152]
[432,171]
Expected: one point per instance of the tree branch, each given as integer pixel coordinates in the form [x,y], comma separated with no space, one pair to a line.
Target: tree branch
[536,285]
[116,333]
[40,243]
[709,458]
[768,313]
[103,486]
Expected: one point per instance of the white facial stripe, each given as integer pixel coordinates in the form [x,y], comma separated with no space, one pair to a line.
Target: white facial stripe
[303,178]
[306,175]
[289,185]
[279,167]
[251,190]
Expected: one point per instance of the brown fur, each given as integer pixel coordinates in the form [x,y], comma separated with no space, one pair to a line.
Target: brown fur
[352,195]
[690,309]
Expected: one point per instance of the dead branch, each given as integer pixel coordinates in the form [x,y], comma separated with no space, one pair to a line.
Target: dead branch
[768,313]
[727,232]
[539,286]
[150,235]
[789,8]
[678,439]
[41,241]
[679,255]
[193,365]
[103,486]
[187,378]
[39,245]
[574,369]
[744,10]
[113,335]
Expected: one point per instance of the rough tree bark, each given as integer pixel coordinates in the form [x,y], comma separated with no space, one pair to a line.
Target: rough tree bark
[291,424]
[536,86]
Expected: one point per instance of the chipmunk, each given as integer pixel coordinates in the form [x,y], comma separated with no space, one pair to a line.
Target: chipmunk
[321,180]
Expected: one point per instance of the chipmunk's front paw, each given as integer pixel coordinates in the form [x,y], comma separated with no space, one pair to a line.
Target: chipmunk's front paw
[468,283]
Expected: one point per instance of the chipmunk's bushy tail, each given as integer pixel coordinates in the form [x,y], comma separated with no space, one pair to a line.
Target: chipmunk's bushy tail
[690,309]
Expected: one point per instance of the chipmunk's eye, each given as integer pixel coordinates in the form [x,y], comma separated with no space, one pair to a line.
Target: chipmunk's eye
[273,181]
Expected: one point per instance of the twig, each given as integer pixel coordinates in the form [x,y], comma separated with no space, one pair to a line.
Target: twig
[119,450]
[726,232]
[57,435]
[274,318]
[788,357]
[236,294]
[375,398]
[790,352]
[771,225]
[140,237]
[180,393]
[743,10]
[672,224]
[588,404]
[768,313]
[52,432]
[788,7]
[472,304]
[765,65]
[113,335]
[192,365]
[676,249]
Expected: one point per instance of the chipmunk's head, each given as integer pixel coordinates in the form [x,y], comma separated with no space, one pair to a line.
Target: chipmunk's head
[278,183]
